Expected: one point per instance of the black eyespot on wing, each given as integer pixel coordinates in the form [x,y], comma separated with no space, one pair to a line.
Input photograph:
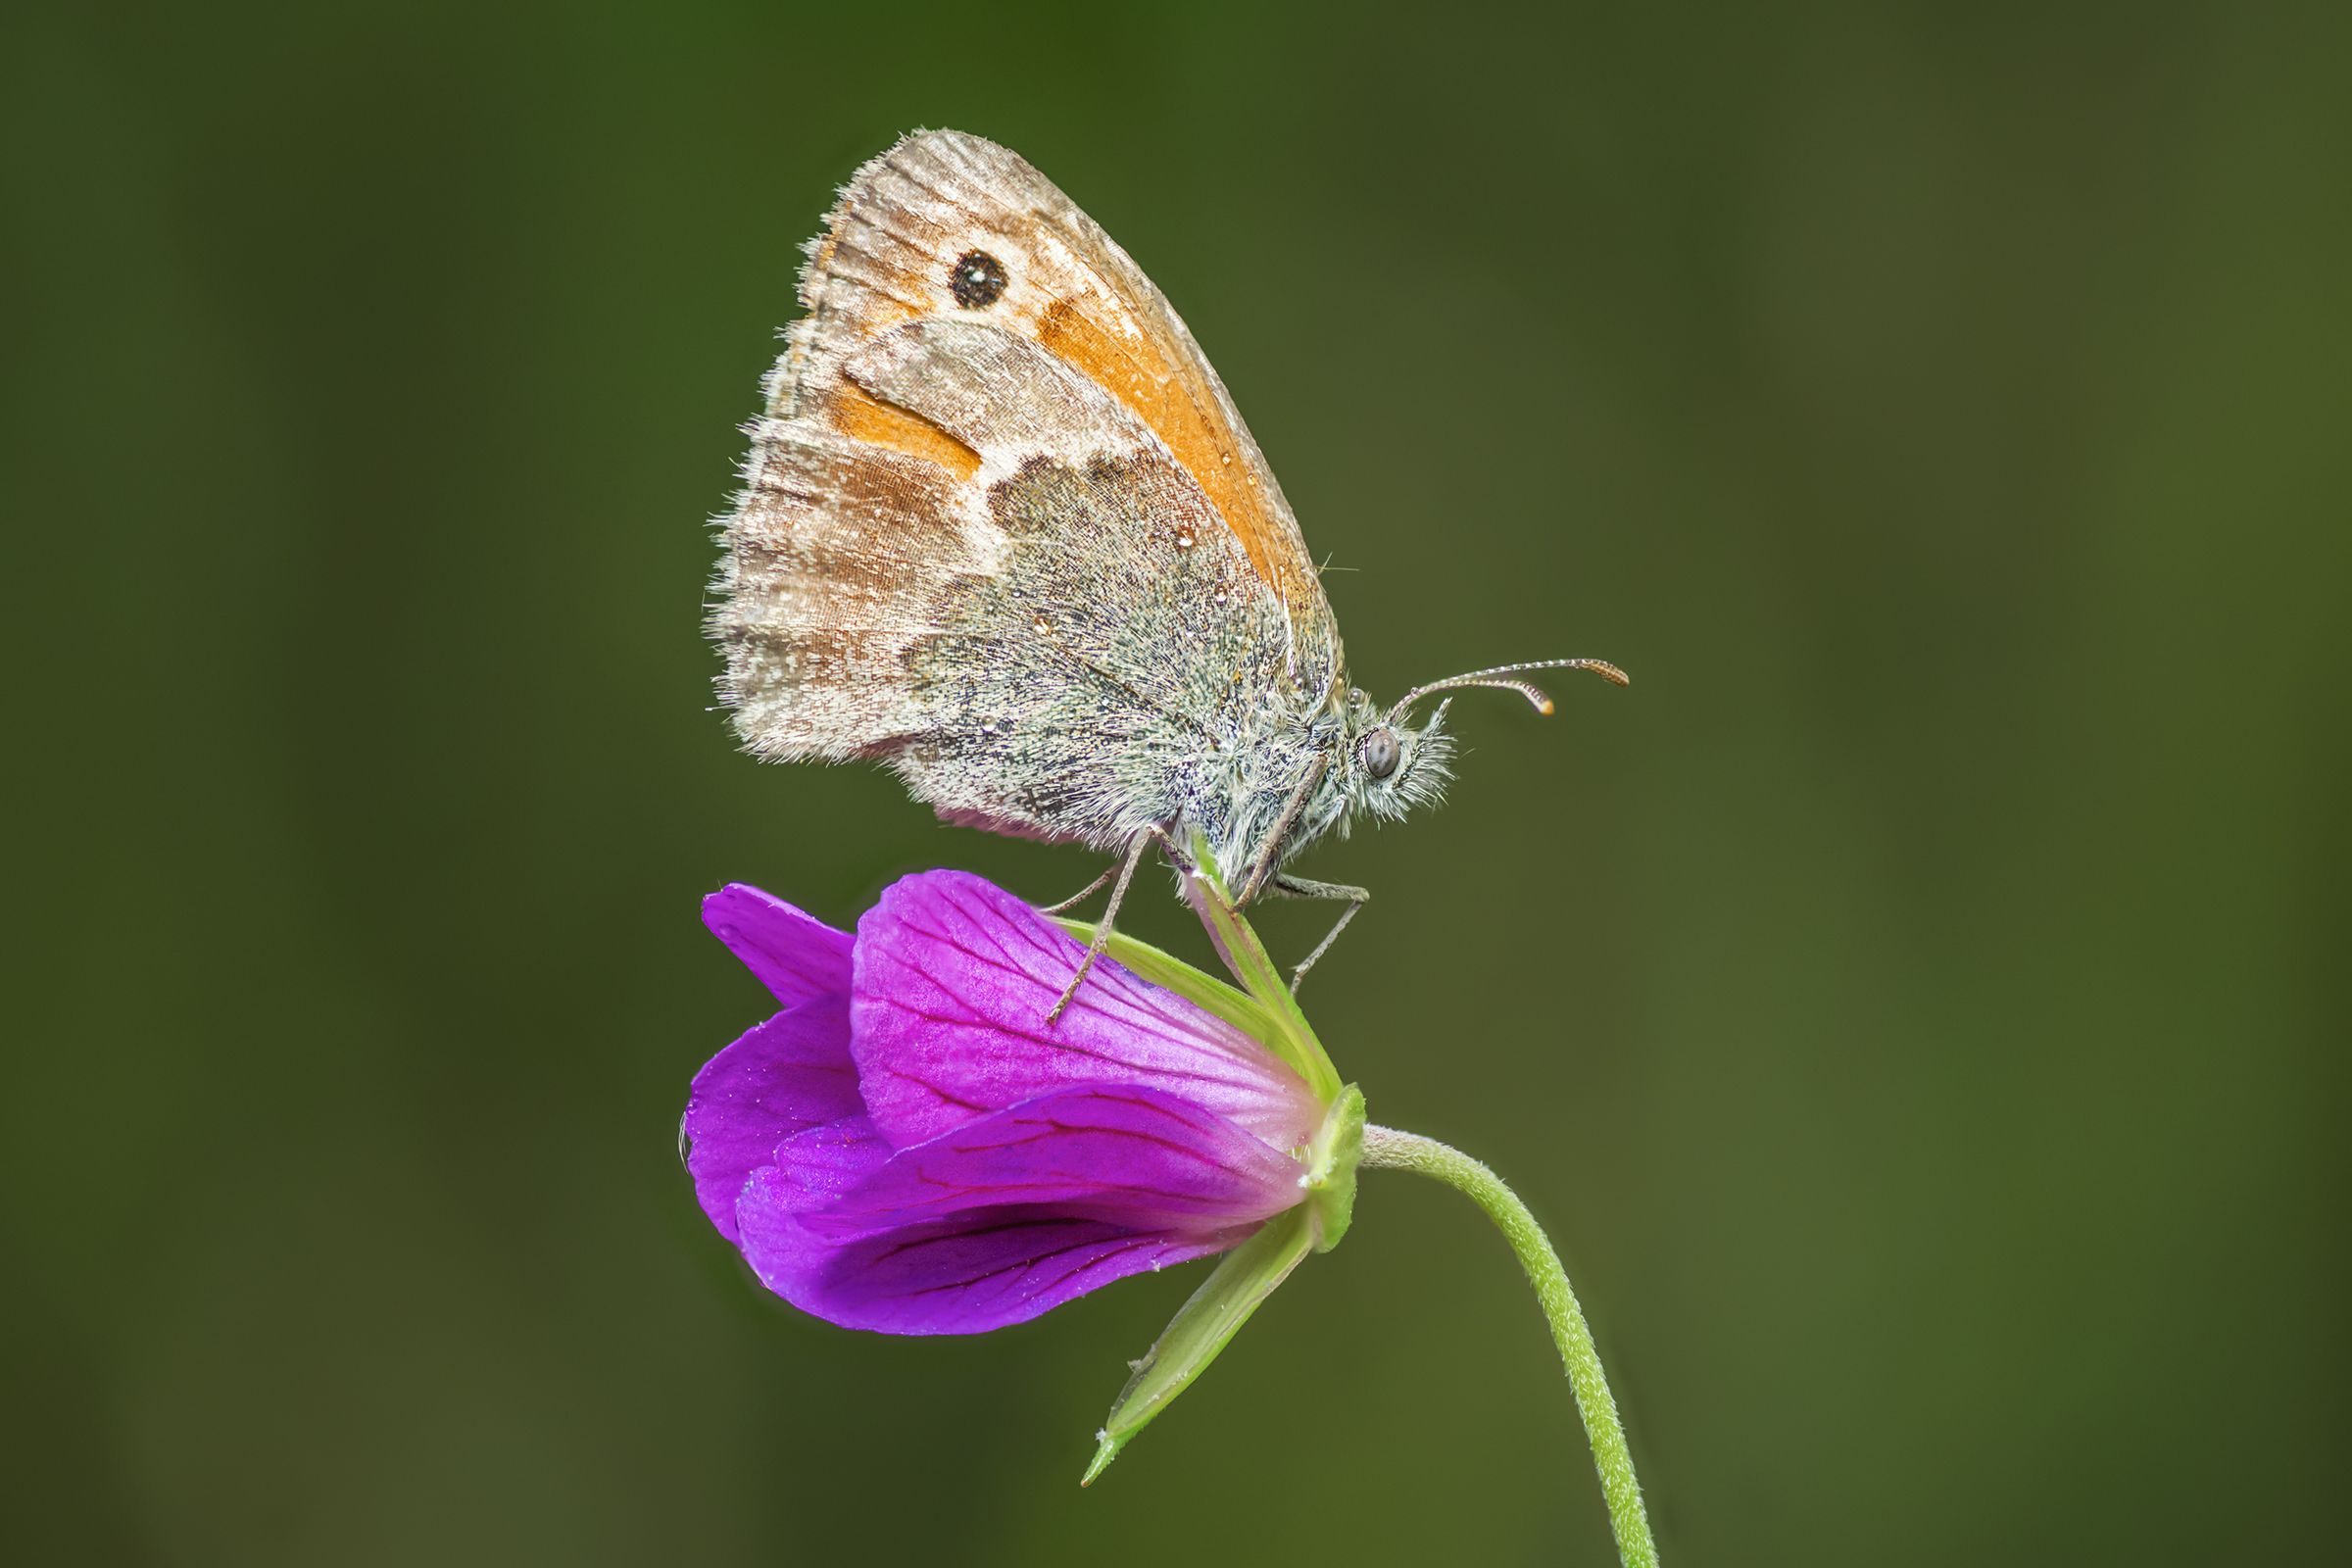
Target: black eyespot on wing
[977,279]
[1380,753]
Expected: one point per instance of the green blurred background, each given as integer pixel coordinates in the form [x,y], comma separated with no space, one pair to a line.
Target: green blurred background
[1916,1005]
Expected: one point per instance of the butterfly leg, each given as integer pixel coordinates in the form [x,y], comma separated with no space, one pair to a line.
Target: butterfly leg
[1298,887]
[1269,857]
[1110,913]
[1083,894]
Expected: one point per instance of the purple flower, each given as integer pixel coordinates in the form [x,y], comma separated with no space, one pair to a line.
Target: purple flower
[908,1146]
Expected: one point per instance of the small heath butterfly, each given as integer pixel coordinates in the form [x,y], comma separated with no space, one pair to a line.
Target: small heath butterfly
[1002,530]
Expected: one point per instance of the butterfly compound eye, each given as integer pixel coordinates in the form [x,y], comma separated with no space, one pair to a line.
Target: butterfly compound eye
[1380,753]
[977,279]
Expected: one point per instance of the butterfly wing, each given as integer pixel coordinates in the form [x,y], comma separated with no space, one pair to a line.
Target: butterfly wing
[1000,523]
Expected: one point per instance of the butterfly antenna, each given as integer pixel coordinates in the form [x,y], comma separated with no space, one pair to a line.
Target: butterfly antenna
[1496,677]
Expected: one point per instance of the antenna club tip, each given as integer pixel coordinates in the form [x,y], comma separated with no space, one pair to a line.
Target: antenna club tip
[1613,675]
[1547,707]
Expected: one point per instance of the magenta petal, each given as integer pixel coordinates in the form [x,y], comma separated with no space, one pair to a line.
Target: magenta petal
[1006,1216]
[980,1270]
[795,954]
[953,980]
[811,1168]
[791,1073]
[1133,1156]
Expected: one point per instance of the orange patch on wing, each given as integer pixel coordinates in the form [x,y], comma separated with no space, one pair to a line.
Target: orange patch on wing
[861,416]
[1185,417]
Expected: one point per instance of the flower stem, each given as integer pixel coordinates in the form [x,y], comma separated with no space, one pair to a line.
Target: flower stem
[1385,1146]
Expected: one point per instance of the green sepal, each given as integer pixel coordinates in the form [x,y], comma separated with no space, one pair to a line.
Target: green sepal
[1247,957]
[1330,1161]
[1243,1276]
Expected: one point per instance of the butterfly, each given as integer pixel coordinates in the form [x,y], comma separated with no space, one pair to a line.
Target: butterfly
[1002,530]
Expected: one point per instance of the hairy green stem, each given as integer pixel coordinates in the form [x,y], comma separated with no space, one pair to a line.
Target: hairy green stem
[1385,1147]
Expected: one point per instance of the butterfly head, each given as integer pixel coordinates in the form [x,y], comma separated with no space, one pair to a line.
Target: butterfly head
[1388,764]
[1391,767]
[1366,760]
